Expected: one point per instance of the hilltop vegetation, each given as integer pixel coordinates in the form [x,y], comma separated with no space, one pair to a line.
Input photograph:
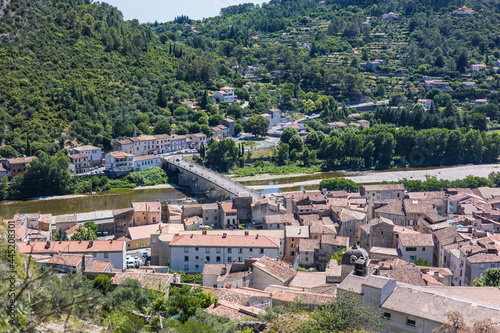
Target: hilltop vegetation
[76,73]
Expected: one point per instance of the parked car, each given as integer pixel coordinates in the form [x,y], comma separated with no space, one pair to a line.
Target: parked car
[130,263]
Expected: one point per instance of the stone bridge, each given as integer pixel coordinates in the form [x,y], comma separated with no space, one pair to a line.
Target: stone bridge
[203,180]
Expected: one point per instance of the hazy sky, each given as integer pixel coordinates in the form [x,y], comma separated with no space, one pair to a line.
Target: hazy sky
[166,10]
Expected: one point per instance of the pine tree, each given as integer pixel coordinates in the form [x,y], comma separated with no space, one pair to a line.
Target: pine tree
[162,98]
[28,148]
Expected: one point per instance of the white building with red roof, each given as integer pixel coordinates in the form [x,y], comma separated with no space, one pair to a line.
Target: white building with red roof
[112,251]
[189,253]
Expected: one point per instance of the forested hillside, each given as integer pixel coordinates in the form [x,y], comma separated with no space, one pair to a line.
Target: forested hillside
[74,71]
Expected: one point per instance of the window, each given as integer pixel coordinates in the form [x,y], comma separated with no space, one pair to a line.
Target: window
[207,258]
[423,248]
[186,267]
[217,250]
[292,245]
[250,249]
[261,251]
[197,266]
[387,315]
[106,254]
[186,249]
[94,254]
[186,258]
[143,244]
[240,250]
[410,322]
[482,266]
[206,218]
[413,258]
[207,250]
[153,240]
[229,250]
[411,249]
[196,249]
[292,253]
[217,259]
[240,259]
[197,257]
[229,259]
[293,239]
[307,258]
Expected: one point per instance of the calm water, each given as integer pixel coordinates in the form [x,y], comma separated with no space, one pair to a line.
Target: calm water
[101,201]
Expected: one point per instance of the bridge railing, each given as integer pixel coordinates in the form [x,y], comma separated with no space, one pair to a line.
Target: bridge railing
[216,174]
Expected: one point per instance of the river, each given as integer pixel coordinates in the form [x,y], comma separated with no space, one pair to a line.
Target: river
[87,203]
[266,183]
[291,183]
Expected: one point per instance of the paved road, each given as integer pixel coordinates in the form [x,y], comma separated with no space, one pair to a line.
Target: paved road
[361,105]
[214,177]
[266,143]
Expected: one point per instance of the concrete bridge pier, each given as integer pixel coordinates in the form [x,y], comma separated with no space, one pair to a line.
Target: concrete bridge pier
[200,185]
[217,194]
[185,178]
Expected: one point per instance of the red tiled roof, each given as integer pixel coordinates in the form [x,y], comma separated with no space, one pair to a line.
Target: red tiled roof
[71,247]
[226,241]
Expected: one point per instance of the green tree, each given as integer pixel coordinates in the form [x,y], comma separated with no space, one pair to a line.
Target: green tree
[102,283]
[222,155]
[83,233]
[339,184]
[491,278]
[162,98]
[283,154]
[162,127]
[296,143]
[184,301]
[4,187]
[130,295]
[44,176]
[287,134]
[422,262]
[60,235]
[305,157]
[257,125]
[346,314]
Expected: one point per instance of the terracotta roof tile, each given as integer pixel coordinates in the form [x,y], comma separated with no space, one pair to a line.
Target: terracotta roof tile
[416,239]
[226,241]
[275,268]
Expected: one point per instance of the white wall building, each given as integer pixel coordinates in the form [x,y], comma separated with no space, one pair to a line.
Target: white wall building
[225,94]
[119,162]
[414,246]
[189,253]
[111,251]
[93,153]
[143,162]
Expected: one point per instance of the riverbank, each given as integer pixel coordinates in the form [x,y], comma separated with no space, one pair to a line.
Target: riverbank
[370,177]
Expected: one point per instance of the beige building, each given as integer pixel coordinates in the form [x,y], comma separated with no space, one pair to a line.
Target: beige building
[211,214]
[79,163]
[378,192]
[229,215]
[293,234]
[140,237]
[146,212]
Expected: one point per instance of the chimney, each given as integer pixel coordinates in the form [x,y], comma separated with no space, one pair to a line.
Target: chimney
[91,243]
[246,232]
[204,232]
[224,270]
[257,237]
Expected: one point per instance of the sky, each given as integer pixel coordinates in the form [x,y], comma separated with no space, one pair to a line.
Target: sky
[166,10]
